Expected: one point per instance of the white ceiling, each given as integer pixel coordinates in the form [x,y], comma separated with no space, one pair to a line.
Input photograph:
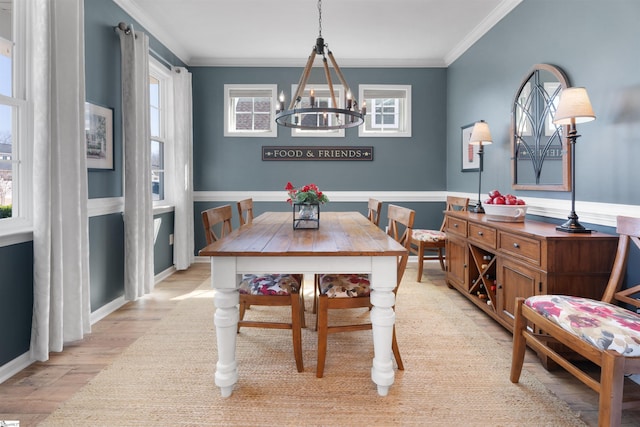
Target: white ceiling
[380,33]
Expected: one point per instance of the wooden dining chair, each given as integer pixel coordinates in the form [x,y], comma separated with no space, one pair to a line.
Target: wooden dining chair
[606,334]
[343,291]
[245,211]
[429,244]
[262,289]
[374,211]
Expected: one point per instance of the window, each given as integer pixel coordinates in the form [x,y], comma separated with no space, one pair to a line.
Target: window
[323,98]
[15,161]
[249,110]
[159,118]
[388,110]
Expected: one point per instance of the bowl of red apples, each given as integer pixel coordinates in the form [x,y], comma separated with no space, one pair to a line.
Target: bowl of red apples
[504,208]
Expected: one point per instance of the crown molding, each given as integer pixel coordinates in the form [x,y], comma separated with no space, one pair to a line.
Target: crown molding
[153,28]
[502,10]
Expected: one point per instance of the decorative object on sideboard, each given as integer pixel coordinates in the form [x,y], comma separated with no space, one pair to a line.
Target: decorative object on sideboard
[574,107]
[505,208]
[540,155]
[481,136]
[306,203]
[312,114]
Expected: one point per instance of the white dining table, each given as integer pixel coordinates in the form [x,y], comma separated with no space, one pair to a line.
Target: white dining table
[345,242]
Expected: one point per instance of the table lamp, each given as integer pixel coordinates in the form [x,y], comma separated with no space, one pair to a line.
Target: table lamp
[574,107]
[480,135]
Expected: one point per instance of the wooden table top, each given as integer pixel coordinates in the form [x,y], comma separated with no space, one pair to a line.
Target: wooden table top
[340,234]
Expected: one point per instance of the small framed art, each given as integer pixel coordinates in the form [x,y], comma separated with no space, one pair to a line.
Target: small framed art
[470,158]
[98,125]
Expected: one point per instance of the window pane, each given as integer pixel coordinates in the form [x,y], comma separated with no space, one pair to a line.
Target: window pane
[6,48]
[6,167]
[154,103]
[262,105]
[6,73]
[262,121]
[243,121]
[157,170]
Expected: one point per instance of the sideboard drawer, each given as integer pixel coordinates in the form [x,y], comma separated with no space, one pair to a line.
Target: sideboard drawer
[456,226]
[521,247]
[483,235]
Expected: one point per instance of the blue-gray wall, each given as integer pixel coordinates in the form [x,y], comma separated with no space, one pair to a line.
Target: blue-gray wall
[416,163]
[16,300]
[596,43]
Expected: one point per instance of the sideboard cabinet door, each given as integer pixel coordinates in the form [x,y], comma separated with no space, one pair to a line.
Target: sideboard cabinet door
[514,280]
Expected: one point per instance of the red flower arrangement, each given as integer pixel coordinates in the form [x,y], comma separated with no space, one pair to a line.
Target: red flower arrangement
[307,194]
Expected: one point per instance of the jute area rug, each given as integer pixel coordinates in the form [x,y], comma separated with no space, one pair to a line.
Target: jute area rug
[455,374]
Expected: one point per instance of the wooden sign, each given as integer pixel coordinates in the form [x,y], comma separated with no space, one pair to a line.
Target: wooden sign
[316,153]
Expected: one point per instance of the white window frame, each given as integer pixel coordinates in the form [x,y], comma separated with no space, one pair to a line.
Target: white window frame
[324,133]
[229,110]
[22,150]
[163,75]
[403,110]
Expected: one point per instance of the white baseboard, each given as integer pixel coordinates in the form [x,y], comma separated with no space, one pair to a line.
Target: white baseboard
[16,365]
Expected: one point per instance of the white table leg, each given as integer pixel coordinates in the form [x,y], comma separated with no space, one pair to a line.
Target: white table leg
[383,318]
[226,322]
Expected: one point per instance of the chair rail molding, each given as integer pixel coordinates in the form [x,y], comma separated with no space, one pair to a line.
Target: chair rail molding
[603,214]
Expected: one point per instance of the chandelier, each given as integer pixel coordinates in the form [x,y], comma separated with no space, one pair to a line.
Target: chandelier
[318,115]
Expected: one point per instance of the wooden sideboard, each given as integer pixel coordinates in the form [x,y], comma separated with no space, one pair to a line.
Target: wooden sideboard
[492,263]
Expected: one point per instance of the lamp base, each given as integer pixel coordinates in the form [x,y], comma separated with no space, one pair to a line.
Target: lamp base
[477,209]
[572,226]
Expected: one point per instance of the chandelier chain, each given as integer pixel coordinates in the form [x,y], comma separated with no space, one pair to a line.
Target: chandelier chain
[319,18]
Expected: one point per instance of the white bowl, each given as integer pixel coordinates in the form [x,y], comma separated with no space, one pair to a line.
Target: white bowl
[505,213]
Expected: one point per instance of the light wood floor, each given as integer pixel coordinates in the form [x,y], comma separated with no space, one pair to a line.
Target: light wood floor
[31,395]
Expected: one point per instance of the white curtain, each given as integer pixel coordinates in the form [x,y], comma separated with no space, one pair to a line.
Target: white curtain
[138,205]
[183,242]
[61,306]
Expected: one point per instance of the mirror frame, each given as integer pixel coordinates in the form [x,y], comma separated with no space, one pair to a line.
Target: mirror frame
[566,184]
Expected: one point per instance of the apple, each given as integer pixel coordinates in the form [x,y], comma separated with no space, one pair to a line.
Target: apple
[489,201]
[494,193]
[510,201]
[499,200]
[520,202]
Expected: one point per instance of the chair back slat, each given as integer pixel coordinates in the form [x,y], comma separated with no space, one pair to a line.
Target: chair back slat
[455,204]
[217,223]
[629,230]
[245,210]
[374,210]
[400,228]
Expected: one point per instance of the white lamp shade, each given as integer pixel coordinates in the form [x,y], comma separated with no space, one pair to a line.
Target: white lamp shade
[480,135]
[574,107]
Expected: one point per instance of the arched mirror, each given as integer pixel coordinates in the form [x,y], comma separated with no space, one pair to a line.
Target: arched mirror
[540,152]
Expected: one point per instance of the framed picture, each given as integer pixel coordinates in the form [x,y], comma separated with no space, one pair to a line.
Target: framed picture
[98,126]
[470,158]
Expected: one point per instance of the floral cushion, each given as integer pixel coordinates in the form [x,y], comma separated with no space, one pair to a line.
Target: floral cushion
[269,284]
[603,325]
[428,235]
[345,285]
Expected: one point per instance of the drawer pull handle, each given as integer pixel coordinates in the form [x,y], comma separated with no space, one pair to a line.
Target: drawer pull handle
[515,245]
[480,233]
[455,225]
